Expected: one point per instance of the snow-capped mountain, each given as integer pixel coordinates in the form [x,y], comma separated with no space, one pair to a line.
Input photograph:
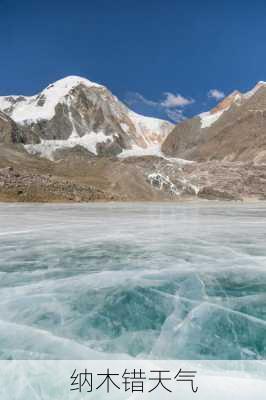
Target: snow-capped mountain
[75,111]
[234,130]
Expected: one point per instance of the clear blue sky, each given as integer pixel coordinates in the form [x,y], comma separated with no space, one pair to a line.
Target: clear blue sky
[139,49]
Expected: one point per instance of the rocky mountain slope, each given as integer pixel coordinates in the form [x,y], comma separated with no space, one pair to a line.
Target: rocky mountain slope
[9,132]
[235,130]
[75,111]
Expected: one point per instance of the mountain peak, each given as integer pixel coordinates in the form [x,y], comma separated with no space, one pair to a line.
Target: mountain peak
[227,102]
[69,82]
[251,92]
[234,130]
[236,97]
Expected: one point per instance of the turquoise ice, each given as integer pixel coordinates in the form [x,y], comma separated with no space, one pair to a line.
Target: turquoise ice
[177,281]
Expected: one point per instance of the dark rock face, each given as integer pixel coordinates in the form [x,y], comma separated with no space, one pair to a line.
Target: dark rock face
[10,132]
[77,152]
[109,148]
[239,134]
[58,128]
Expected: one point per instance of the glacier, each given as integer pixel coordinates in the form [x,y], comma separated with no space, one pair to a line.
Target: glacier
[133,280]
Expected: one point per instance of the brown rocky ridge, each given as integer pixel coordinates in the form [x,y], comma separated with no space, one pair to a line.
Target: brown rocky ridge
[233,131]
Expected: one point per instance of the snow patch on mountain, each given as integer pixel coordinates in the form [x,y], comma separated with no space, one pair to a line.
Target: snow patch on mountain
[208,118]
[150,130]
[148,124]
[153,150]
[137,151]
[89,141]
[178,186]
[162,182]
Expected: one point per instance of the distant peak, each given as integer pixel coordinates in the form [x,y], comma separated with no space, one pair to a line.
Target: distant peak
[227,102]
[251,92]
[236,97]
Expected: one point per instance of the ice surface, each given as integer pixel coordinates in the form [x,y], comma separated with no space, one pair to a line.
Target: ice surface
[133,280]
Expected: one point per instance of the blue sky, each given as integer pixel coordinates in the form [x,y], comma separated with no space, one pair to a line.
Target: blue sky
[161,56]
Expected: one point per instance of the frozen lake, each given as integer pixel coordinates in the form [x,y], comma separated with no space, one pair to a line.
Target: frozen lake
[179,281]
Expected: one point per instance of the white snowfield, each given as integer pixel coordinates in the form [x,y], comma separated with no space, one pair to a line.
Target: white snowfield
[208,119]
[47,148]
[154,150]
[136,151]
[148,125]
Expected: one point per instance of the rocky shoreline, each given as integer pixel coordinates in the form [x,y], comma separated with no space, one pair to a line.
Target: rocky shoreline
[26,178]
[18,187]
